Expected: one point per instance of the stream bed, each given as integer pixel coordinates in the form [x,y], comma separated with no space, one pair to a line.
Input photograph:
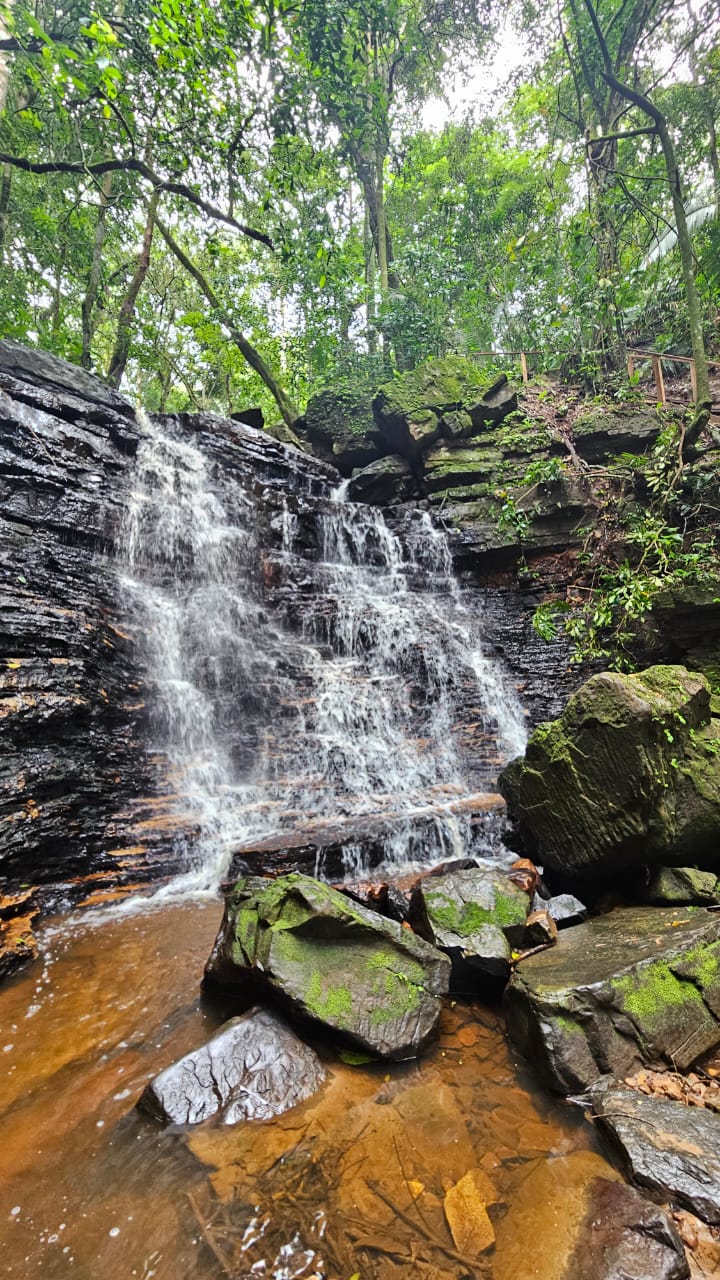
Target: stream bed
[349,1183]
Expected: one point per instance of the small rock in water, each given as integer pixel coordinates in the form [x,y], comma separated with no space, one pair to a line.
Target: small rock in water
[321,956]
[625,1235]
[465,1208]
[253,1068]
[540,930]
[565,909]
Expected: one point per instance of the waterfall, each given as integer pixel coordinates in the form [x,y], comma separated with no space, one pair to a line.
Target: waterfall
[351,712]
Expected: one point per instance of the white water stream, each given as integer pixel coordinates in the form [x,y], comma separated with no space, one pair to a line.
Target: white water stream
[270,730]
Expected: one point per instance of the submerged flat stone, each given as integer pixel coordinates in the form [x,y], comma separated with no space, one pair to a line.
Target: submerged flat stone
[640,985]
[323,957]
[253,1068]
[671,1148]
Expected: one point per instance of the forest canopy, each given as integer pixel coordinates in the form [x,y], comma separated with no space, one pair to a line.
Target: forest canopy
[219,203]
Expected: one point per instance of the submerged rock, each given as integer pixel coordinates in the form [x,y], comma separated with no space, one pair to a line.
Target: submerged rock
[473,915]
[624,1236]
[641,985]
[18,944]
[629,774]
[253,1068]
[324,958]
[672,1149]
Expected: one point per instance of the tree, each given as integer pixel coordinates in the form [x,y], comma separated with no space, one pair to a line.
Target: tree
[659,126]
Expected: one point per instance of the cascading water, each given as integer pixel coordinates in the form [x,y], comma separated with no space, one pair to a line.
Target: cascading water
[349,712]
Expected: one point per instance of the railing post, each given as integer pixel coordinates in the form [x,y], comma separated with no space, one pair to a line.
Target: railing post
[693,381]
[659,380]
[523,367]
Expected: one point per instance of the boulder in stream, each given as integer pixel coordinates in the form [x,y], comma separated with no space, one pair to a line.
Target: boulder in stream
[640,985]
[325,958]
[671,1148]
[629,775]
[253,1068]
[472,914]
[623,1236]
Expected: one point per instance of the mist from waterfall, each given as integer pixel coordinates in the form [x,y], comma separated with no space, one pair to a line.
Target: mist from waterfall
[348,711]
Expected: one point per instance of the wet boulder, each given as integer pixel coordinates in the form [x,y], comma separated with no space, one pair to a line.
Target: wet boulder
[473,915]
[384,481]
[625,1235]
[629,775]
[325,958]
[253,1068]
[671,1148]
[640,985]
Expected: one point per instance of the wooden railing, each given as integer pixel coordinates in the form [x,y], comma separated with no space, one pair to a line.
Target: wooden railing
[633,355]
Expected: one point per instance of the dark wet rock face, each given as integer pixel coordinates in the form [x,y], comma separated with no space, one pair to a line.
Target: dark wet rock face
[322,957]
[84,789]
[253,1068]
[624,1236]
[383,483]
[672,1149]
[472,915]
[640,985]
[628,775]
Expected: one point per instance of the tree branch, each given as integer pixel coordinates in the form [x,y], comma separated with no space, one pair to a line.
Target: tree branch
[132,165]
[627,133]
[284,403]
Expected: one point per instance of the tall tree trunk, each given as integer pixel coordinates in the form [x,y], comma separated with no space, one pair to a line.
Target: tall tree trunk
[288,410]
[692,298]
[93,284]
[4,61]
[5,190]
[121,351]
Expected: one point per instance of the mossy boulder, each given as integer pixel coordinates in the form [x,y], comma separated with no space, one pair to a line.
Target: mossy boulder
[449,396]
[341,428]
[603,431]
[473,915]
[640,985]
[676,886]
[629,775]
[326,959]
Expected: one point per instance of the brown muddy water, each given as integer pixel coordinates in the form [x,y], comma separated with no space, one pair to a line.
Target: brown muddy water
[351,1183]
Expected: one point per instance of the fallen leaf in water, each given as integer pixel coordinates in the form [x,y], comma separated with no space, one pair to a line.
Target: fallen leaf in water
[415,1188]
[466,1212]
